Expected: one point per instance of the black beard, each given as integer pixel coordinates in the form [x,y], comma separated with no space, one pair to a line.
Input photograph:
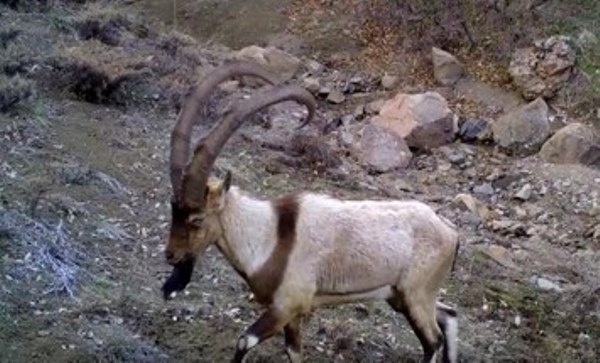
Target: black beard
[180,277]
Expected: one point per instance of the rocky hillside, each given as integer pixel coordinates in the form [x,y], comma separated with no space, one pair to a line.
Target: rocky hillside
[89,91]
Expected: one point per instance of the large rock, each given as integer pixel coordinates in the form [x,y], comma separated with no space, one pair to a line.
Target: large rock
[572,144]
[542,70]
[592,156]
[382,149]
[447,70]
[278,62]
[523,130]
[423,120]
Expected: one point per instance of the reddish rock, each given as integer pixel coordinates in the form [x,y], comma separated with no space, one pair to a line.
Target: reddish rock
[423,120]
[542,70]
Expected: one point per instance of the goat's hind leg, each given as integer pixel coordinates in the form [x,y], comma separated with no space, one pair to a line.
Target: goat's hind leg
[421,313]
[447,321]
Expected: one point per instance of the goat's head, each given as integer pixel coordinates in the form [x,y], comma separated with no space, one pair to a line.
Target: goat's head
[198,199]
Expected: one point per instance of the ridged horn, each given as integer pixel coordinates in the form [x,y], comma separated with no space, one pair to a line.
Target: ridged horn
[181,134]
[209,147]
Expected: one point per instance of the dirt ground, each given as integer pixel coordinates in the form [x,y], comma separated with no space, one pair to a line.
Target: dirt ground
[84,195]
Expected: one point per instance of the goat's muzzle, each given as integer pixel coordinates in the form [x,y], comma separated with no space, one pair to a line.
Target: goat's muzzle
[180,276]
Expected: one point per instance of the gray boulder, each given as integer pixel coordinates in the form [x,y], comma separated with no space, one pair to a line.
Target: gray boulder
[447,70]
[573,144]
[523,130]
[382,149]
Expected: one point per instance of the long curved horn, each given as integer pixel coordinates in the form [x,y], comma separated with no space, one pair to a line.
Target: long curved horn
[181,135]
[208,149]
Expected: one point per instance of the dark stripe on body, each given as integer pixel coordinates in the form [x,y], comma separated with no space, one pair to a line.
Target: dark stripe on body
[265,281]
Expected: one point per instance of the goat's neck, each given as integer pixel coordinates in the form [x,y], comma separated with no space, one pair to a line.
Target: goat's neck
[248,231]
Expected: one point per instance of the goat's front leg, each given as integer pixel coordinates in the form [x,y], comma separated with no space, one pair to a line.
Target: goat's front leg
[269,323]
[293,339]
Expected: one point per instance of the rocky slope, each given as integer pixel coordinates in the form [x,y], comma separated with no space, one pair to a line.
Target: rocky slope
[88,94]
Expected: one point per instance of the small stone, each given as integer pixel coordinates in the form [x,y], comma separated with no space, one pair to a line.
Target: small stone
[388,81]
[356,80]
[453,155]
[474,129]
[471,203]
[373,108]
[520,212]
[502,225]
[346,138]
[485,189]
[524,193]
[324,90]
[314,67]
[347,120]
[546,285]
[517,321]
[312,84]
[336,97]
[500,255]
[444,166]
[359,111]
[584,338]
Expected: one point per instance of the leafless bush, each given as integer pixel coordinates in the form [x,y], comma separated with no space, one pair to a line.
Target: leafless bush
[48,251]
[6,37]
[36,5]
[81,175]
[121,346]
[13,91]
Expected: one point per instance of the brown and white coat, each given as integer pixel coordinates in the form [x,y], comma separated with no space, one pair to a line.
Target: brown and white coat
[301,251]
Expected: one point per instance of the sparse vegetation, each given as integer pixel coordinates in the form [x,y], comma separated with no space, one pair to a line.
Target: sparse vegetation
[89,91]
[13,91]
[46,250]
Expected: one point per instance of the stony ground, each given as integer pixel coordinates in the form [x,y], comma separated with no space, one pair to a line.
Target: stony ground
[84,210]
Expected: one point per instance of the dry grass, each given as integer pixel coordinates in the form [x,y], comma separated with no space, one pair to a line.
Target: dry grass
[45,252]
[13,91]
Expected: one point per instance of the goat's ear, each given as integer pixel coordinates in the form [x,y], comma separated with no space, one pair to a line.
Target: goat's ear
[227,181]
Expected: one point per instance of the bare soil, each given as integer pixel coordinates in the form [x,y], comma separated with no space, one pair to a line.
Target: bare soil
[83,164]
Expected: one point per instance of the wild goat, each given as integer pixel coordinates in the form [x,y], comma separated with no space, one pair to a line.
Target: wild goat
[304,250]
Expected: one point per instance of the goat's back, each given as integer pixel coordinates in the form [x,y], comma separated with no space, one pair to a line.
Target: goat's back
[359,245]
